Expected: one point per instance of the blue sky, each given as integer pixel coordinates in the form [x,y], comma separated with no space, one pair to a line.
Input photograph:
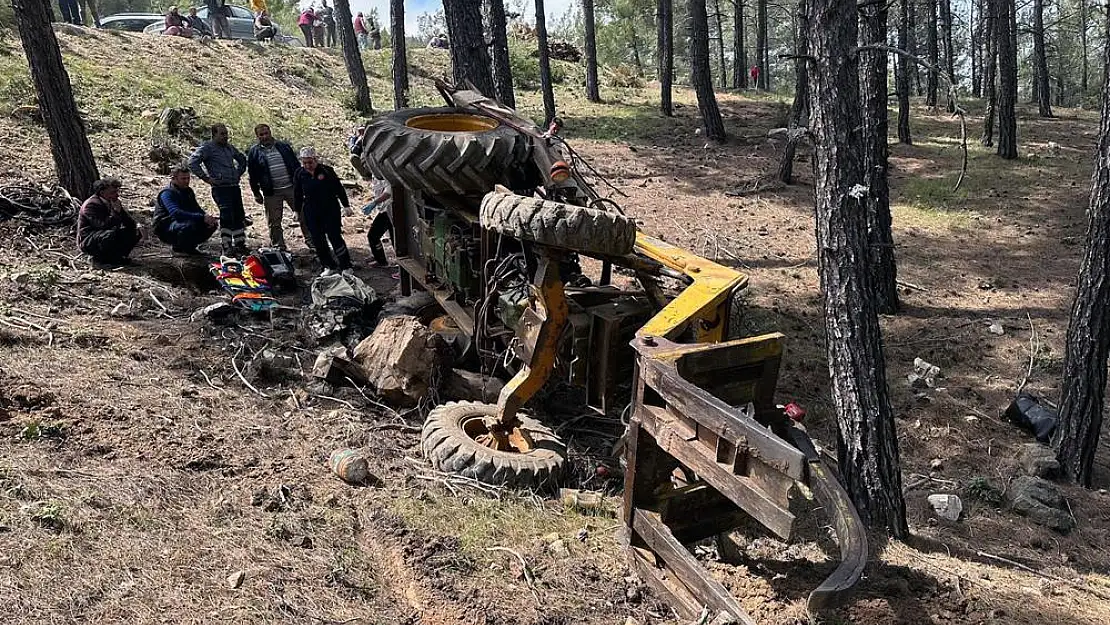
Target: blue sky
[413,8]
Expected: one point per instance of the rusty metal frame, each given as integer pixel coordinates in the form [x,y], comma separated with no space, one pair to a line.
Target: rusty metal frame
[746,461]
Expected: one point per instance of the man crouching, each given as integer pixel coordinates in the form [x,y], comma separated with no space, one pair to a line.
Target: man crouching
[105,230]
[178,218]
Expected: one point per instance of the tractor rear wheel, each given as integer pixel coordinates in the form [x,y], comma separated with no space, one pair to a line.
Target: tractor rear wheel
[443,151]
[555,224]
[448,442]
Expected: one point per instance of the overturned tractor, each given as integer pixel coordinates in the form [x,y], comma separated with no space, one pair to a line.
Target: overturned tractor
[493,218]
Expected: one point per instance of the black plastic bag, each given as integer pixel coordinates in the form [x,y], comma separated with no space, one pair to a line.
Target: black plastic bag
[1027,413]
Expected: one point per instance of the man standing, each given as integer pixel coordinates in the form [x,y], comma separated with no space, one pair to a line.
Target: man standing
[328,16]
[70,11]
[178,218]
[270,167]
[105,230]
[221,165]
[89,9]
[217,18]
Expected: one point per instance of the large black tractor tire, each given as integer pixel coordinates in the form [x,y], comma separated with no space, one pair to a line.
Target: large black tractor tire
[443,151]
[447,445]
[576,228]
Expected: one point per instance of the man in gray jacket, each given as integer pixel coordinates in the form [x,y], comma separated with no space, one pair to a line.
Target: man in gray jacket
[221,165]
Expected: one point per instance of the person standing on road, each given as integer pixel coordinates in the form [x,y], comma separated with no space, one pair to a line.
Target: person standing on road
[318,193]
[270,167]
[305,23]
[105,230]
[221,165]
[178,218]
[327,15]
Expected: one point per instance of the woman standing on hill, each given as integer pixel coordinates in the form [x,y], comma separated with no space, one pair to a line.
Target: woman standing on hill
[305,22]
[318,192]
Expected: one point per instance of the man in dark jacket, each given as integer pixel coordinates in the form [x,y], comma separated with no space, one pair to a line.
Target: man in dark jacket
[221,165]
[318,191]
[178,218]
[105,230]
[270,167]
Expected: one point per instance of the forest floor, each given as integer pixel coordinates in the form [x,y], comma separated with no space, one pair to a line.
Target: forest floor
[140,480]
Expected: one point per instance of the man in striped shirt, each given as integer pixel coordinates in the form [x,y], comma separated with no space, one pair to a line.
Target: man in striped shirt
[270,167]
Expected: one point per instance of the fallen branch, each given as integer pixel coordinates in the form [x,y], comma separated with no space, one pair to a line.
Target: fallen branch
[209,380]
[910,285]
[336,400]
[235,365]
[1057,578]
[528,577]
[400,427]
[1033,349]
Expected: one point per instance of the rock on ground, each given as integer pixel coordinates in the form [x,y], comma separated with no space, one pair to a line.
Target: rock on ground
[1042,502]
[460,384]
[1039,460]
[402,359]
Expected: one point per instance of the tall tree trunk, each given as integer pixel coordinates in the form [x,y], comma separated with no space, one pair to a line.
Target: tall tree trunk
[867,444]
[1040,61]
[352,57]
[873,96]
[1088,340]
[634,43]
[932,55]
[1006,27]
[666,55]
[973,20]
[73,158]
[593,93]
[761,45]
[949,53]
[469,58]
[400,54]
[1083,21]
[722,74]
[545,65]
[499,53]
[739,54]
[990,66]
[903,74]
[799,110]
[911,46]
[699,70]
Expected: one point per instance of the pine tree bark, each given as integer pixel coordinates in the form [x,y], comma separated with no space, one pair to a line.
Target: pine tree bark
[799,109]
[932,55]
[873,96]
[739,54]
[903,74]
[1040,61]
[1088,339]
[722,74]
[499,53]
[975,19]
[1006,36]
[400,54]
[469,57]
[1083,21]
[700,75]
[634,43]
[949,53]
[911,46]
[545,64]
[990,70]
[69,143]
[593,92]
[666,55]
[867,445]
[764,79]
[352,57]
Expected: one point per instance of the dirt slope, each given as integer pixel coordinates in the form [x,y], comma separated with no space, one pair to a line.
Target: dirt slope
[139,476]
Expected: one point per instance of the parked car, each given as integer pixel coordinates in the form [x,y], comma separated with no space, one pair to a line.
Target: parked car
[131,22]
[241,23]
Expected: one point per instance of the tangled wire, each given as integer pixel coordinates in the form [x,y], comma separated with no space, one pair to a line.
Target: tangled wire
[42,206]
